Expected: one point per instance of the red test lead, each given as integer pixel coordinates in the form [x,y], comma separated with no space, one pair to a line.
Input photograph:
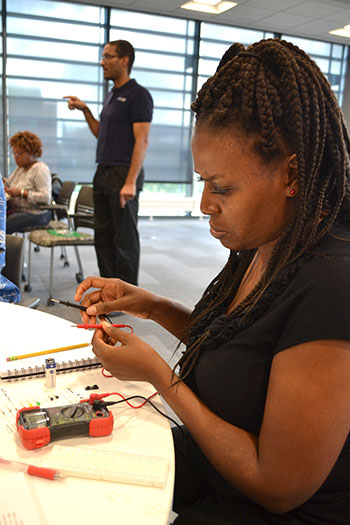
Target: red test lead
[88,326]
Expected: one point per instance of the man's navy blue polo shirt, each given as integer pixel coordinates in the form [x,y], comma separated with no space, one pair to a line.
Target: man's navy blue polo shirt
[123,106]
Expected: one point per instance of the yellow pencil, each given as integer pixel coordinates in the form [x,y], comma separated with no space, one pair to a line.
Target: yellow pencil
[45,352]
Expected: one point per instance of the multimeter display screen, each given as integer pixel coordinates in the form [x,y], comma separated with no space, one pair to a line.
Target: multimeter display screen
[34,419]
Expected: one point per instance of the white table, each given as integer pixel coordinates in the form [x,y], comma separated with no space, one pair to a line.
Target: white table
[141,431]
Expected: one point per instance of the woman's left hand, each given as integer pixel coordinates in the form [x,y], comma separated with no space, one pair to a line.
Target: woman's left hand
[132,359]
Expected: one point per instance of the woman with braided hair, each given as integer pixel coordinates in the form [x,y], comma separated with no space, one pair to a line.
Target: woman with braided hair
[263,387]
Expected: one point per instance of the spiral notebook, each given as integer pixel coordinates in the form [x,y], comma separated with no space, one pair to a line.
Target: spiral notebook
[68,361]
[19,340]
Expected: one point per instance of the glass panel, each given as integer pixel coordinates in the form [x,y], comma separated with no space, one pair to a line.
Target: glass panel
[337,51]
[58,30]
[331,68]
[323,64]
[149,41]
[42,68]
[168,156]
[230,34]
[55,10]
[213,49]
[151,79]
[200,82]
[159,61]
[215,40]
[29,47]
[142,21]
[312,47]
[168,117]
[171,100]
[335,67]
[208,67]
[56,90]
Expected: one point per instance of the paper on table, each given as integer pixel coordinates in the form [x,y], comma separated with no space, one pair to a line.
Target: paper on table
[51,332]
[15,510]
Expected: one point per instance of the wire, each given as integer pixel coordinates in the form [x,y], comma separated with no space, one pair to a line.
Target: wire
[98,397]
[147,400]
[96,400]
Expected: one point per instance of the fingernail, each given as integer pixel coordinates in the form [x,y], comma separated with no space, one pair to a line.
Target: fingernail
[91,310]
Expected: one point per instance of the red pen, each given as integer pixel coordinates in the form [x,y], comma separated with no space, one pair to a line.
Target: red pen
[88,326]
[41,472]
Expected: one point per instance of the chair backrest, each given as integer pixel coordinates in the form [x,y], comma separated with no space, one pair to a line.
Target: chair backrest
[14,258]
[56,185]
[64,197]
[66,192]
[84,209]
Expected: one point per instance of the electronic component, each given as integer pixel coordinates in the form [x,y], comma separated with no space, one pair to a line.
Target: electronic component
[39,426]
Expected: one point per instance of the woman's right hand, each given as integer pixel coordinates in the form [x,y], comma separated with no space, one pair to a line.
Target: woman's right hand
[114,295]
[13,192]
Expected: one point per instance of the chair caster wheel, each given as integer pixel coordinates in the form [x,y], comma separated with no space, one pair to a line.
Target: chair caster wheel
[37,248]
[28,288]
[66,264]
[23,278]
[50,302]
[62,257]
[79,277]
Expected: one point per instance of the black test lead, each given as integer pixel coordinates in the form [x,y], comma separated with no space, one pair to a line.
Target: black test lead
[68,303]
[77,305]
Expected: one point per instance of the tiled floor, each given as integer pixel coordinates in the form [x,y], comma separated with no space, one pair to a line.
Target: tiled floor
[178,259]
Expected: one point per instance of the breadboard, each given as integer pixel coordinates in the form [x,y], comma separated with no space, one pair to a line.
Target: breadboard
[109,465]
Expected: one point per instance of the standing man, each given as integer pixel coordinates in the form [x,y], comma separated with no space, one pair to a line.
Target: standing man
[122,139]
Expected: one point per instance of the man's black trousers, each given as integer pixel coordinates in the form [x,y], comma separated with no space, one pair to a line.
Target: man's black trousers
[117,241]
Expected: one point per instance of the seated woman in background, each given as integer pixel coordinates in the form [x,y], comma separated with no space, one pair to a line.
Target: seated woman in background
[263,387]
[29,185]
[9,292]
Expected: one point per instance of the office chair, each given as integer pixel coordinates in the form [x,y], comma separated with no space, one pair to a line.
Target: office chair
[13,267]
[58,207]
[83,216]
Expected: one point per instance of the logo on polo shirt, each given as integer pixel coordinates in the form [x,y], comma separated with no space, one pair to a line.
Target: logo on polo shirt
[121,99]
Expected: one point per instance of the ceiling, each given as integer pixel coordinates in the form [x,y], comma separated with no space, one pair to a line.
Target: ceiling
[305,18]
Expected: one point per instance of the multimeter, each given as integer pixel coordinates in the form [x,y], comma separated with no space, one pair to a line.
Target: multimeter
[39,426]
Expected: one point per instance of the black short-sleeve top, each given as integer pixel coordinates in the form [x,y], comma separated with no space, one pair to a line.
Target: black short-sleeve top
[310,300]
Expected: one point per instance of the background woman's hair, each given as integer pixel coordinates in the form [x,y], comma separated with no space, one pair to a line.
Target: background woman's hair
[274,89]
[27,141]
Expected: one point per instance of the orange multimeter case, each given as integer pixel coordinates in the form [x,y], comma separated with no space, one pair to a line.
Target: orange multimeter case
[39,426]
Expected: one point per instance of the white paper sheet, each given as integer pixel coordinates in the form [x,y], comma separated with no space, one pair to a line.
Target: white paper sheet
[18,501]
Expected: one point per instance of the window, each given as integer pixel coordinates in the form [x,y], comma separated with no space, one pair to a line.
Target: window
[330,58]
[53,50]
[215,40]
[164,64]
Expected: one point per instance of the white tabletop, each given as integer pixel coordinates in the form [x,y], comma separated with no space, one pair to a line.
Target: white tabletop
[142,431]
